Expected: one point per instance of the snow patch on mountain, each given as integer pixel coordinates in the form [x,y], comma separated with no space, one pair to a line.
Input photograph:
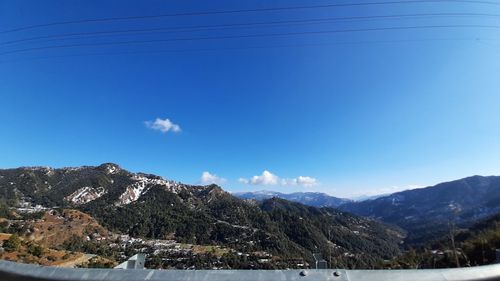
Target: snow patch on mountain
[110,168]
[143,184]
[85,195]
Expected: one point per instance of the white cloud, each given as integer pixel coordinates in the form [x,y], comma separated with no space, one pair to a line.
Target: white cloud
[208,178]
[306,181]
[300,180]
[268,178]
[243,180]
[163,125]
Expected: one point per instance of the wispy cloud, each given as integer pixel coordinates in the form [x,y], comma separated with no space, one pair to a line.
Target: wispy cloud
[268,178]
[163,125]
[243,180]
[208,178]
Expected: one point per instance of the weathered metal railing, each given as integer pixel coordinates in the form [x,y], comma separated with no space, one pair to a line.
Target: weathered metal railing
[11,271]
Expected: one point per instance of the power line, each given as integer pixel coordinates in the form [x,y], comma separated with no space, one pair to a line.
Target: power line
[476,39]
[484,2]
[245,36]
[237,25]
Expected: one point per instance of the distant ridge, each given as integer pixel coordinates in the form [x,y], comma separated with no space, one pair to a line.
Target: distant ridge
[315,199]
[426,212]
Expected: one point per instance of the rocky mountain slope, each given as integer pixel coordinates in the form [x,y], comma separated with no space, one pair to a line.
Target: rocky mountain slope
[41,236]
[427,213]
[149,206]
[54,228]
[315,199]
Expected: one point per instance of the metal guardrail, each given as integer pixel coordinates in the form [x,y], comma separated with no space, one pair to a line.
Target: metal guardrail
[11,271]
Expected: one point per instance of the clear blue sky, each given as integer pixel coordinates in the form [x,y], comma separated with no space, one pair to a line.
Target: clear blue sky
[344,113]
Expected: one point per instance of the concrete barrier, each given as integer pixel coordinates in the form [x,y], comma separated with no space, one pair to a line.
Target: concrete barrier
[11,271]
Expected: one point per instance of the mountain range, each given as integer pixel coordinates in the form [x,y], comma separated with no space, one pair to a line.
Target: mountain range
[315,199]
[148,206]
[428,213]
[425,213]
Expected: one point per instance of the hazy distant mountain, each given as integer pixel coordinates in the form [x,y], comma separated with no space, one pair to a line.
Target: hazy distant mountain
[315,199]
[367,197]
[425,213]
[144,205]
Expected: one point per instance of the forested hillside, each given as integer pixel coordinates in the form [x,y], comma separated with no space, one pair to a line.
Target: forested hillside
[427,213]
[150,207]
[472,246]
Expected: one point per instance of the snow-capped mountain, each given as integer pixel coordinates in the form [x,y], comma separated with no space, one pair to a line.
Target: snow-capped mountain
[82,185]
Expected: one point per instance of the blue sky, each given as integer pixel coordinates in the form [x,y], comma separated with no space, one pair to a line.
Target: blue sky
[345,113]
